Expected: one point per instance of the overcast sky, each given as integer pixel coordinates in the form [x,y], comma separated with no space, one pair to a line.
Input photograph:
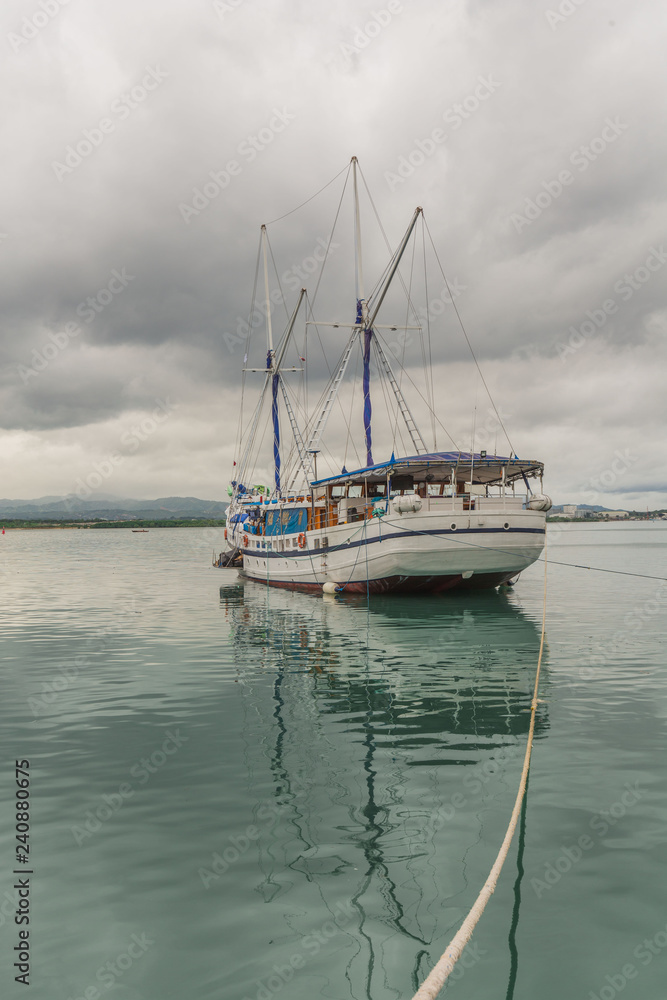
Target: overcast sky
[532,132]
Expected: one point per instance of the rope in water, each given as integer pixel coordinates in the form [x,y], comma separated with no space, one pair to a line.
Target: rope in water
[440,972]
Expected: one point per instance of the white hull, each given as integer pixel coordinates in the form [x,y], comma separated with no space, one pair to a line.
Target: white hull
[421,550]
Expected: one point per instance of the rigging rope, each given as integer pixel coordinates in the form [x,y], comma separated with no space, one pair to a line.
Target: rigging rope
[291,212]
[446,535]
[600,569]
[434,982]
[470,348]
[402,360]
[330,241]
[239,433]
[428,331]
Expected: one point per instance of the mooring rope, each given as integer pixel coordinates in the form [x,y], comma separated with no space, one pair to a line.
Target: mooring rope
[440,972]
[601,569]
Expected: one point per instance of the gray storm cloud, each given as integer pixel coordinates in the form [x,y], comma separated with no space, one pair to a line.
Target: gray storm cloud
[145,144]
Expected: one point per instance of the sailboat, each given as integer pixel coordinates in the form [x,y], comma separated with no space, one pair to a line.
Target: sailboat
[426,520]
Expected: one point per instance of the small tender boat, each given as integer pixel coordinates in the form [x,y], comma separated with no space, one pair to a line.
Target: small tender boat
[427,521]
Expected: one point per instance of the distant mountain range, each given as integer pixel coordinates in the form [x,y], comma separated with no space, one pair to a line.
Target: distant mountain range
[594,508]
[110,508]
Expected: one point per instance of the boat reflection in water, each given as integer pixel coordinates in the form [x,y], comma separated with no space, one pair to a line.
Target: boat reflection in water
[384,747]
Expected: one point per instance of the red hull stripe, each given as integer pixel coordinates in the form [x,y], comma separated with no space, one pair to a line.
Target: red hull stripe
[398,584]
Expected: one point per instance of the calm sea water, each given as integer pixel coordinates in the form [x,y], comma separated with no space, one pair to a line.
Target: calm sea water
[247,793]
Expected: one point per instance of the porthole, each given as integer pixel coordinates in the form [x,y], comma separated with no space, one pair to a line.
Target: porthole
[506,526]
[453,526]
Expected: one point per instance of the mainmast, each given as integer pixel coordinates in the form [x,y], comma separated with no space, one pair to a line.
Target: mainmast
[270,366]
[362,320]
[364,325]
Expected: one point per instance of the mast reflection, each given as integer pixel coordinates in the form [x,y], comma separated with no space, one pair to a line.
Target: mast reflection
[387,729]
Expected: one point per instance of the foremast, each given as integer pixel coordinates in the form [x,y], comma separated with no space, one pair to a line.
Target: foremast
[364,326]
[273,378]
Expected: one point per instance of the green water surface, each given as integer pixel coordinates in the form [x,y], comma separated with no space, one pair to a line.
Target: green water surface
[241,792]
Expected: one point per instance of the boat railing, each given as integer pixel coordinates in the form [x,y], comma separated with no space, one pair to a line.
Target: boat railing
[463,503]
[325,515]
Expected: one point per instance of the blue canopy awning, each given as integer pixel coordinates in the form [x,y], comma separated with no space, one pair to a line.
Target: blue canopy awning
[485,469]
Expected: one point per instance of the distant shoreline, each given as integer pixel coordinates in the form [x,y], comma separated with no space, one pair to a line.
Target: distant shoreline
[25,525]
[557,519]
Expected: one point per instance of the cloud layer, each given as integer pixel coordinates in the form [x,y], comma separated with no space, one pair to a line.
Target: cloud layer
[146,144]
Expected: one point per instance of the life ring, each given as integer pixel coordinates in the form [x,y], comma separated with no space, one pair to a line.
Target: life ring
[245,540]
[225,534]
[301,540]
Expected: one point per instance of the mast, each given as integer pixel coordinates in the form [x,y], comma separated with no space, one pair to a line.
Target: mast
[362,320]
[315,437]
[275,380]
[397,260]
[359,275]
[272,371]
[368,337]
